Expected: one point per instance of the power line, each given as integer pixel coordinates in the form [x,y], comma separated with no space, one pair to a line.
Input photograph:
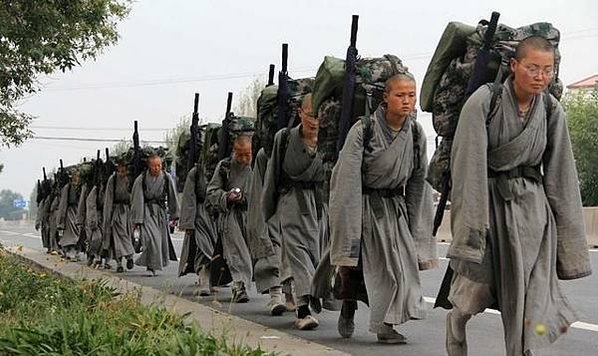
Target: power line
[96,128]
[89,139]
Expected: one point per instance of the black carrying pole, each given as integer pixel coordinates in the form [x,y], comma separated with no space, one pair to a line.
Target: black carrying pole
[282,98]
[487,60]
[271,75]
[45,175]
[346,118]
[136,152]
[224,148]
[39,195]
[62,175]
[193,152]
[483,73]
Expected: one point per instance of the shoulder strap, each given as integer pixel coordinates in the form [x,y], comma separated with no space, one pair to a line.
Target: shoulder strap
[496,89]
[284,144]
[224,170]
[416,138]
[549,107]
[368,132]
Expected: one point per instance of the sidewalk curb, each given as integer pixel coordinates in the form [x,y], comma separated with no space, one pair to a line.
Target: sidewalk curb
[237,330]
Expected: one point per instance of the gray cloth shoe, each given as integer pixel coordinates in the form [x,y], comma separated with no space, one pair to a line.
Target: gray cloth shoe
[387,335]
[454,346]
[307,323]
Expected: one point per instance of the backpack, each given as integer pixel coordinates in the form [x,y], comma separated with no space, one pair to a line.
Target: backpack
[182,163]
[371,75]
[448,90]
[266,124]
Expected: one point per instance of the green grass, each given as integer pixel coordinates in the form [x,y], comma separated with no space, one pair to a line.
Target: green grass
[44,315]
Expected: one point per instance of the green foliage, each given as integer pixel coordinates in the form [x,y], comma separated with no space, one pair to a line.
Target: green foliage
[582,120]
[42,36]
[173,135]
[44,315]
[7,210]
[247,103]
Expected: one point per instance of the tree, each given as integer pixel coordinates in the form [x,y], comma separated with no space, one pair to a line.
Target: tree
[582,120]
[7,210]
[247,104]
[172,136]
[43,36]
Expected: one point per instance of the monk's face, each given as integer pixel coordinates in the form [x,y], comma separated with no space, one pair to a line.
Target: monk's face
[401,98]
[309,120]
[242,152]
[155,166]
[122,170]
[76,178]
[533,72]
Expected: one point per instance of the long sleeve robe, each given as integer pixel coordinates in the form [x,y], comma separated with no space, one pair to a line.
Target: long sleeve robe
[93,223]
[535,229]
[67,215]
[300,226]
[198,248]
[264,237]
[147,210]
[395,244]
[53,221]
[117,216]
[232,219]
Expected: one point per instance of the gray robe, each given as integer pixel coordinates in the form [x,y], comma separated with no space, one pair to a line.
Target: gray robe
[67,216]
[118,229]
[232,220]
[517,245]
[81,217]
[93,224]
[264,237]
[53,221]
[41,220]
[198,248]
[394,244]
[147,208]
[300,226]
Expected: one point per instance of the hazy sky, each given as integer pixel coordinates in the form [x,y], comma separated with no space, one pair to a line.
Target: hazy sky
[170,49]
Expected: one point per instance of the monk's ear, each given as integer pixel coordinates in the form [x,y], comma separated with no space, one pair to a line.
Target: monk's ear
[385,97]
[513,64]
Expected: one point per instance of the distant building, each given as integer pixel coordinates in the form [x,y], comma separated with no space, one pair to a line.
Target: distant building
[584,84]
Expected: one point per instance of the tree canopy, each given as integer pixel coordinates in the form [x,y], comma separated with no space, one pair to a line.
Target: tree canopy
[43,36]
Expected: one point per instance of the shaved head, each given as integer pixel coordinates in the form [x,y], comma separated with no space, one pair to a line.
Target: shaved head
[390,82]
[536,43]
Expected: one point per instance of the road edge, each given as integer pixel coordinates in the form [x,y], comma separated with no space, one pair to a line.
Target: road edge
[237,330]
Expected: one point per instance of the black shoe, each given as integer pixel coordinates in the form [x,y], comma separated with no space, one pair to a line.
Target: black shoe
[120,269]
[240,296]
[130,264]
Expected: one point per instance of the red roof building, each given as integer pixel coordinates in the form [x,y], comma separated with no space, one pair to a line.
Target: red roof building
[587,83]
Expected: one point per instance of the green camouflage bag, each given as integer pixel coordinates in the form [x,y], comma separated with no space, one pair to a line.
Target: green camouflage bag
[266,124]
[182,164]
[449,94]
[371,75]
[452,45]
[209,153]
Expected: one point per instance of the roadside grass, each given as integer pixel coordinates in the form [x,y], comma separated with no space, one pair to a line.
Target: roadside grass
[42,314]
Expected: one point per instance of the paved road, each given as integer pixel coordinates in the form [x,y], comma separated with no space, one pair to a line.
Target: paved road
[425,337]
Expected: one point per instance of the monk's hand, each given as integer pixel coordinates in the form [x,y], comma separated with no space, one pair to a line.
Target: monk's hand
[429,264]
[234,196]
[189,233]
